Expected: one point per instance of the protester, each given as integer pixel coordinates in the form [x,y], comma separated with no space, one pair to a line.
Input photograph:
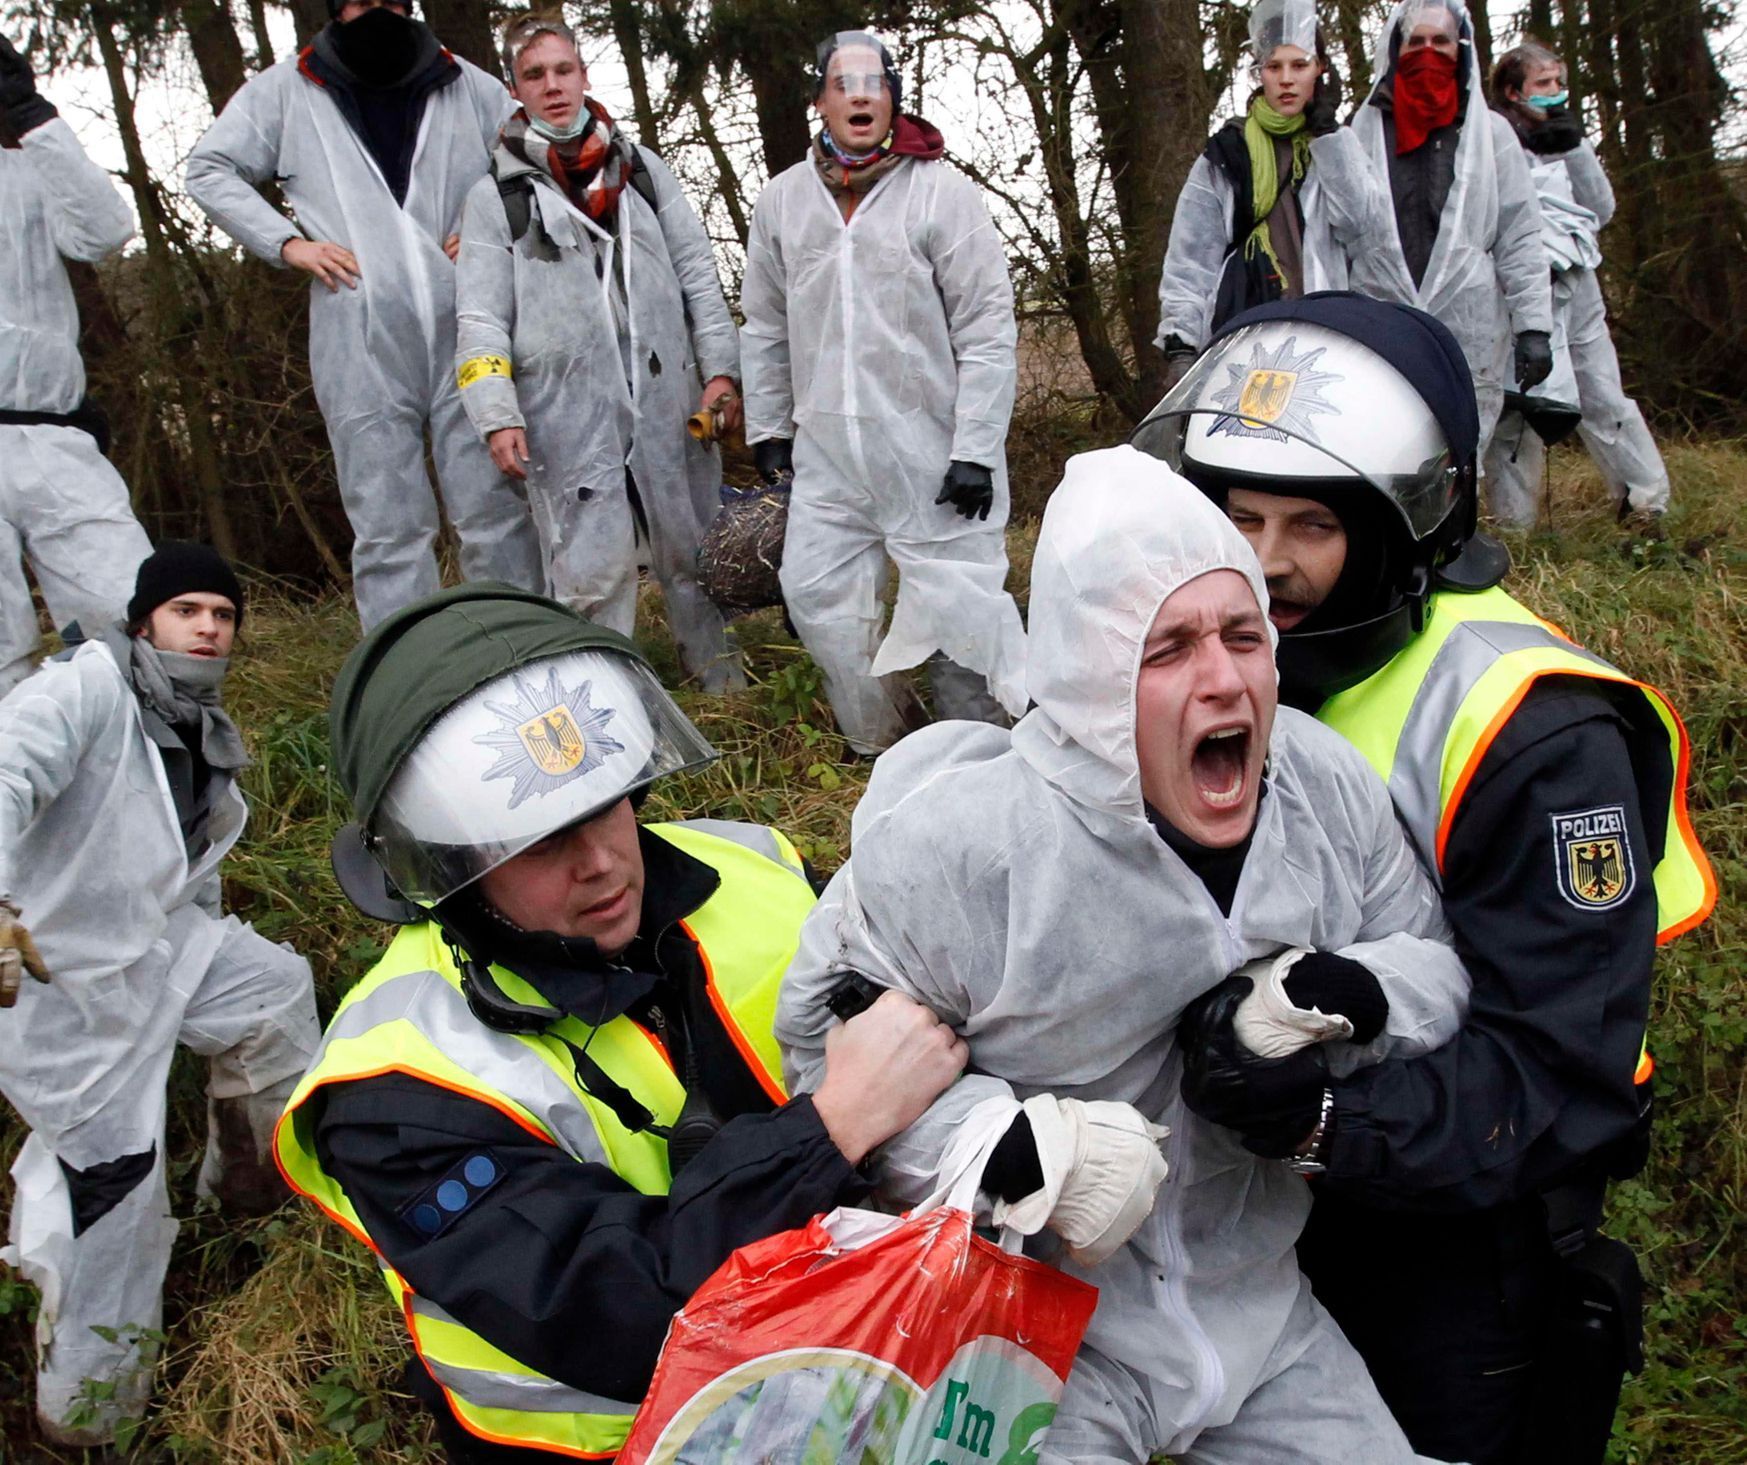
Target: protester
[1529,92]
[1061,892]
[1276,201]
[118,800]
[375,133]
[586,290]
[1466,242]
[555,1106]
[879,363]
[1455,1236]
[61,504]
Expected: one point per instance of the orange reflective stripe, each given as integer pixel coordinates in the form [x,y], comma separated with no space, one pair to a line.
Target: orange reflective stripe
[1646,1066]
[771,1084]
[1683,824]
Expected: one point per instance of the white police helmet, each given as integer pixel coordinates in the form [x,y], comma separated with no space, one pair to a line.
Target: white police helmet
[1284,401]
[548,744]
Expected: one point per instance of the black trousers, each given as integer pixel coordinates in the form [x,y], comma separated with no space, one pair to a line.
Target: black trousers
[1460,1321]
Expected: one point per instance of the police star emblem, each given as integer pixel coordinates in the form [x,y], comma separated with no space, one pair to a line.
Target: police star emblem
[547,737]
[1593,856]
[1275,394]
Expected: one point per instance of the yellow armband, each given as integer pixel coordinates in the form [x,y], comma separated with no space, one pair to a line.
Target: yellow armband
[481,366]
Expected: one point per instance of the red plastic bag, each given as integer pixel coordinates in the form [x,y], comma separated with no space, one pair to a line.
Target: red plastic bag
[868,1339]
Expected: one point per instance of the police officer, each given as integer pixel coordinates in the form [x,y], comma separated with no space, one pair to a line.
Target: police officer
[555,1106]
[1454,1235]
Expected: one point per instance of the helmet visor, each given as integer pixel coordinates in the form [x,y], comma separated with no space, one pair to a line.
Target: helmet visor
[548,745]
[1265,416]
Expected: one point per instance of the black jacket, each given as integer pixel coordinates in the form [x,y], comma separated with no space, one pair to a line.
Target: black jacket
[562,1264]
[1419,182]
[1536,1088]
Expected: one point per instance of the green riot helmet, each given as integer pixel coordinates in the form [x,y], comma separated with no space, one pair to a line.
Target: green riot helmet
[476,722]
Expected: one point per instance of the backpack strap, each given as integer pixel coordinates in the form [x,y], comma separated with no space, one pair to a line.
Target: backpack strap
[518,203]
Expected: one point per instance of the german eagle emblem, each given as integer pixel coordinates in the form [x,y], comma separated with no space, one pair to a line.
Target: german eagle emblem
[1594,857]
[547,737]
[1275,394]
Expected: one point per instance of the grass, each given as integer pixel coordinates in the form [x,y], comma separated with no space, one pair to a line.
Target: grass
[281,1343]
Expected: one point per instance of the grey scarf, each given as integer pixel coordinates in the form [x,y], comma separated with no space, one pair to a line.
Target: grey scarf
[186,692]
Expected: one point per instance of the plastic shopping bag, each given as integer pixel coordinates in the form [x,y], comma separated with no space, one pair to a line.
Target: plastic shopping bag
[868,1339]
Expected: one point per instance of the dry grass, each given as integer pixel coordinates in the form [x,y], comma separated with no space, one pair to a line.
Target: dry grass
[282,1345]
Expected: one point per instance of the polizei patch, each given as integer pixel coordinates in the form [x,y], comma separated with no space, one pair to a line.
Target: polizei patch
[1594,857]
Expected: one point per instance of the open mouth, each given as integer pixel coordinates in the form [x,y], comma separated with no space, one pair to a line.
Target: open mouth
[1285,614]
[861,119]
[1219,766]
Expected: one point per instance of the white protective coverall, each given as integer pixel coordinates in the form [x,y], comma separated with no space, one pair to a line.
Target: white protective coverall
[381,356]
[885,348]
[609,356]
[92,851]
[1340,200]
[1012,881]
[1487,278]
[61,502]
[1577,201]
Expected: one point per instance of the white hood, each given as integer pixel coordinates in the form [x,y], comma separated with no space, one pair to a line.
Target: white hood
[1121,533]
[1468,63]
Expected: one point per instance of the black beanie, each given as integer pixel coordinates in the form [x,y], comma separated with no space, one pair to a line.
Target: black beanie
[175,568]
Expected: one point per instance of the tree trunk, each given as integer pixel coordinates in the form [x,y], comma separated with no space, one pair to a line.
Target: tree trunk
[628,37]
[464,26]
[161,272]
[1352,25]
[218,53]
[263,40]
[1482,36]
[1540,20]
[310,16]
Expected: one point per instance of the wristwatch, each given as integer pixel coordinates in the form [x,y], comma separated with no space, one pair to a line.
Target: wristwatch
[1308,1160]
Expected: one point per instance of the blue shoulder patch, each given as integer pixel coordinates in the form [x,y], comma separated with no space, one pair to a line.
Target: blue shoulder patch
[434,1212]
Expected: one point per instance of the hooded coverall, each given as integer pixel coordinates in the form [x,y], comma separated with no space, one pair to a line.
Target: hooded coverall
[884,347]
[61,503]
[1013,882]
[124,909]
[1484,274]
[608,335]
[382,355]
[1577,202]
[1339,206]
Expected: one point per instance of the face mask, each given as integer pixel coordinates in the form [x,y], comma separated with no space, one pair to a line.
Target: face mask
[379,47]
[1546,104]
[561,134]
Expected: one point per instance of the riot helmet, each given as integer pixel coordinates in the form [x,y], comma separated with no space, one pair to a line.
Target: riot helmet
[1367,408]
[476,722]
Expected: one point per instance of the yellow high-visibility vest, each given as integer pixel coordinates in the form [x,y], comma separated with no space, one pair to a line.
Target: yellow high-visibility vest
[409,1015]
[1426,720]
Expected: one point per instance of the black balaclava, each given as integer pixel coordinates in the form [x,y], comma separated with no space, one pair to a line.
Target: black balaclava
[380,47]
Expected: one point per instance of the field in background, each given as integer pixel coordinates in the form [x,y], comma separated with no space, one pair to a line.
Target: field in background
[280,1345]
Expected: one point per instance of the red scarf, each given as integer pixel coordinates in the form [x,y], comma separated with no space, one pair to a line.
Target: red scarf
[1425,96]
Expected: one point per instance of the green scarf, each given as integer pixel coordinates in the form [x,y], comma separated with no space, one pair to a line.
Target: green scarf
[1261,127]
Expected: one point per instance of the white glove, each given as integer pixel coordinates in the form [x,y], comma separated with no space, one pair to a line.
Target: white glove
[1267,1023]
[1101,1169]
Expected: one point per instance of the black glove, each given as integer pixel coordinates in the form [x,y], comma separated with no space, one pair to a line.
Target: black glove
[1339,985]
[1272,1103]
[1559,131]
[1179,357]
[1534,358]
[969,488]
[1322,114]
[774,458]
[25,107]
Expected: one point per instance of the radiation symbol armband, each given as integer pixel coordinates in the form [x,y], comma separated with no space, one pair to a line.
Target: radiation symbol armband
[480,367]
[1592,852]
